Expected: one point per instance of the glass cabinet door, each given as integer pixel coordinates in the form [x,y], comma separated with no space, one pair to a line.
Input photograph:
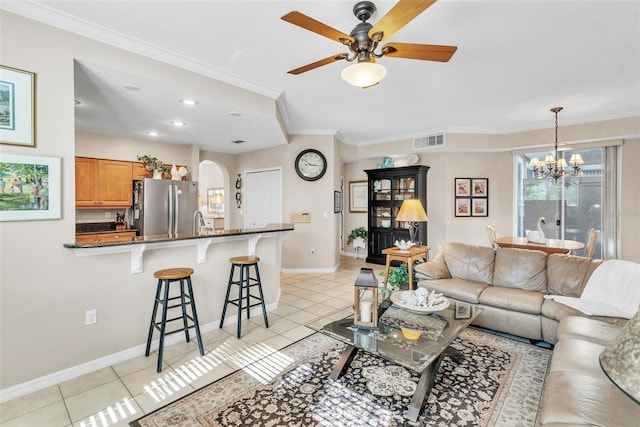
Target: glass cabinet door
[404,188]
[381,217]
[381,189]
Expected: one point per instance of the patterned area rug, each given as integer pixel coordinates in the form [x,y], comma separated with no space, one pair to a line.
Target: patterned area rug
[498,383]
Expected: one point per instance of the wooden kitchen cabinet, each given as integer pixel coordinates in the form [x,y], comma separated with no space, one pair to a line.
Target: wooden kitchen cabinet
[103,183]
[139,171]
[99,238]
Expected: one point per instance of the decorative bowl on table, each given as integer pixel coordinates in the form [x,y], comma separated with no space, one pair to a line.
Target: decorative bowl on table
[420,301]
[404,245]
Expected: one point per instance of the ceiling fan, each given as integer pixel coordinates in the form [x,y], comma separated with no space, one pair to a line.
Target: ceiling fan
[364,39]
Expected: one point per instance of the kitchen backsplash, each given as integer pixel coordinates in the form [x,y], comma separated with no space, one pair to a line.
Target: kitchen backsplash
[100,215]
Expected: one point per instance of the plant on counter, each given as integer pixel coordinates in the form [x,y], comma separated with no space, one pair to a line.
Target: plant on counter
[356,233]
[152,163]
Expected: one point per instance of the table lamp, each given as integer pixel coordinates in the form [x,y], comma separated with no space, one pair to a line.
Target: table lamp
[620,361]
[413,212]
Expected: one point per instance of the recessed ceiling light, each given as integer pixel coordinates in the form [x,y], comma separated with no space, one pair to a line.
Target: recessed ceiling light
[189,101]
[235,113]
[131,87]
[152,133]
[178,123]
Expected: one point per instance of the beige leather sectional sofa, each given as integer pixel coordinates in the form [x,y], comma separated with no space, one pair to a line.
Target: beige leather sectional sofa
[510,285]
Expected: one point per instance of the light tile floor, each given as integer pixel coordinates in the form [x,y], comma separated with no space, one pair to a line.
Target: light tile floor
[119,394]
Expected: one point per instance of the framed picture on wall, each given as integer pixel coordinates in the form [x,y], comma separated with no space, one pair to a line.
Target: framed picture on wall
[30,188]
[479,207]
[479,187]
[463,206]
[17,107]
[358,196]
[463,187]
[337,201]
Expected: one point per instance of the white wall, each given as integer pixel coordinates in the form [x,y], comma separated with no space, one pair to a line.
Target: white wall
[45,288]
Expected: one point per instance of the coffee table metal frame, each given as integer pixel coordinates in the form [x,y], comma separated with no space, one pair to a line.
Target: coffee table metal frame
[388,343]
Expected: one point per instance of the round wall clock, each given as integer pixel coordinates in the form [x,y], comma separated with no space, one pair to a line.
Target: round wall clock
[310,165]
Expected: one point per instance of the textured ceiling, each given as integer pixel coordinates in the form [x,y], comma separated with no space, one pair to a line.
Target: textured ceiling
[515,60]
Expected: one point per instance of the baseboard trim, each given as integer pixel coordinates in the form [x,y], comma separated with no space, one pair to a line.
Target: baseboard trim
[54,378]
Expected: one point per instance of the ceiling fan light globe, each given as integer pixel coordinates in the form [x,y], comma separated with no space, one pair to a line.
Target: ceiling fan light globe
[364,74]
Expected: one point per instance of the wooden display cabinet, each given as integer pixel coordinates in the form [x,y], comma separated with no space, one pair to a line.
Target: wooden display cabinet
[387,189]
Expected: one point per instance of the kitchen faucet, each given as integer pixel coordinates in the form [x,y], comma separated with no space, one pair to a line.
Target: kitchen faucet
[195,220]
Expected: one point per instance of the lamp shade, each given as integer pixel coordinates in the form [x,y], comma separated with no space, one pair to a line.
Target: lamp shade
[218,198]
[412,210]
[364,74]
[576,159]
[621,359]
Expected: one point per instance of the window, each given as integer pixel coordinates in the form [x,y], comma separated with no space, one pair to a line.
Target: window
[572,205]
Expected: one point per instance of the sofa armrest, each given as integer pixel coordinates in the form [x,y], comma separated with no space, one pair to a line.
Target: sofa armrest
[433,269]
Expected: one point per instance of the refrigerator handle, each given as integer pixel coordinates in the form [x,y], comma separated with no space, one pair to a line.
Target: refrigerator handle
[176,206]
[171,210]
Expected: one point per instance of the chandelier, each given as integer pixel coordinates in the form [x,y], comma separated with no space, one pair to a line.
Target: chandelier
[553,166]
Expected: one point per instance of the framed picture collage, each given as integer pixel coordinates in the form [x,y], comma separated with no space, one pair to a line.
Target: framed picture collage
[471,197]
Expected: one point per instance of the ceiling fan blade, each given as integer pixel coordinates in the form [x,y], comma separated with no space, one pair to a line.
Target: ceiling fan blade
[301,20]
[426,52]
[317,64]
[399,16]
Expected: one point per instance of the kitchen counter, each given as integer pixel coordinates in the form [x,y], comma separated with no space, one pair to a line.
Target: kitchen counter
[202,240]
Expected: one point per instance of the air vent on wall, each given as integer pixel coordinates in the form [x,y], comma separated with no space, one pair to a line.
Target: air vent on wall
[430,141]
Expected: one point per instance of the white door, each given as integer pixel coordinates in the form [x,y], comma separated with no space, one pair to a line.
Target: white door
[263,202]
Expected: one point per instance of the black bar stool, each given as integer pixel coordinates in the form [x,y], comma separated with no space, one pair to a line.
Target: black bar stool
[166,277]
[245,283]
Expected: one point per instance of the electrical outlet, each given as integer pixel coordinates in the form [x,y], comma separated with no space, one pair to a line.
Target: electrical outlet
[91,317]
[107,215]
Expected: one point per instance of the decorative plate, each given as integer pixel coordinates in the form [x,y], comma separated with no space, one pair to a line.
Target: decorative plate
[412,159]
[397,300]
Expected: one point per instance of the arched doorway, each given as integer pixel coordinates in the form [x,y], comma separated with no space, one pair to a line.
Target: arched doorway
[213,188]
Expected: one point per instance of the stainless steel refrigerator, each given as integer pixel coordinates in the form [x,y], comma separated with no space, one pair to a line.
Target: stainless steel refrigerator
[164,207]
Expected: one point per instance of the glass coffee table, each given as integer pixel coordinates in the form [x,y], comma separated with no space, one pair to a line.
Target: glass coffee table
[413,339]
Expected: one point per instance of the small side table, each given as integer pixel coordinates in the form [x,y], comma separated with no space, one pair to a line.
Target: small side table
[407,256]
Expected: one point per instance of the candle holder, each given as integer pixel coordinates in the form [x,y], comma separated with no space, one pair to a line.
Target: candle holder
[365,309]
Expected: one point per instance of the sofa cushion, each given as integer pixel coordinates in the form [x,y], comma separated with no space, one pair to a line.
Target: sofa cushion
[587,329]
[576,355]
[520,268]
[580,399]
[462,290]
[512,299]
[567,275]
[435,268]
[470,262]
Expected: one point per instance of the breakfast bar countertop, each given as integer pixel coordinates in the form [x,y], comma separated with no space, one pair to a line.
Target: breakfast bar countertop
[159,238]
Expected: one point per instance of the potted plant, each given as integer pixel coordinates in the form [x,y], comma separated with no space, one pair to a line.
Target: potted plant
[398,278]
[357,233]
[153,165]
